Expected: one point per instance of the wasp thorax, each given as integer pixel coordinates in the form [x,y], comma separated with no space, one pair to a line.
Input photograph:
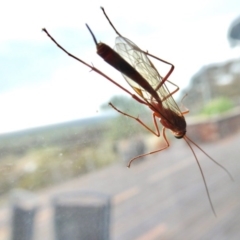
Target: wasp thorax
[103,49]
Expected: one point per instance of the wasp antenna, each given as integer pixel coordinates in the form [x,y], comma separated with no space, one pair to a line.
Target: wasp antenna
[94,38]
[205,184]
[110,22]
[229,174]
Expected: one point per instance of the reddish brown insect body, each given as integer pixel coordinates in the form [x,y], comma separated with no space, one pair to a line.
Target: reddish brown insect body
[116,61]
[145,80]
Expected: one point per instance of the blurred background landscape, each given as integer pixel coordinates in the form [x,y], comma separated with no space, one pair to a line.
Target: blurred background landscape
[58,133]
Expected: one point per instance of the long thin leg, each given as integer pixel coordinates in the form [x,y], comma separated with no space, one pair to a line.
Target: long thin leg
[143,155]
[93,68]
[172,66]
[185,112]
[169,72]
[138,120]
[169,95]
[182,105]
[110,22]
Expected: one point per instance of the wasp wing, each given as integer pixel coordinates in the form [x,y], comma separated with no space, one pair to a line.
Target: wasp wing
[140,61]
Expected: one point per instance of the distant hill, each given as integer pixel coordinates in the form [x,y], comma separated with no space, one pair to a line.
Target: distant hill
[70,133]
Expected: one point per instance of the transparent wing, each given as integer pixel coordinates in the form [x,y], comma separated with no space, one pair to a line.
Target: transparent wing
[140,61]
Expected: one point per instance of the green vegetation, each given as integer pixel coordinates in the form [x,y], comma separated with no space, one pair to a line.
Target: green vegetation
[41,157]
[49,166]
[44,166]
[37,158]
[215,81]
[217,106]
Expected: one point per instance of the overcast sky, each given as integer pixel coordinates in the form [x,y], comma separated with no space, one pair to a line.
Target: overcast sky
[40,85]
